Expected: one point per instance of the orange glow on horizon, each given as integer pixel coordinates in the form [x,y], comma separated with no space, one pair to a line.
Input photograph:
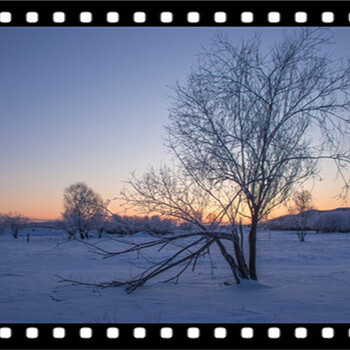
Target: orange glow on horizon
[47,204]
[54,213]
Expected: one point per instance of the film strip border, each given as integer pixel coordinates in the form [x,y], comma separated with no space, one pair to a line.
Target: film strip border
[174,13]
[175,336]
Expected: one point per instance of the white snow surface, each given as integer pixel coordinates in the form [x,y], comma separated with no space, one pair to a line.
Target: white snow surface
[298,282]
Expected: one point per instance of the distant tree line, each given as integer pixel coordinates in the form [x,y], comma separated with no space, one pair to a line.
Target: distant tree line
[127,225]
[332,221]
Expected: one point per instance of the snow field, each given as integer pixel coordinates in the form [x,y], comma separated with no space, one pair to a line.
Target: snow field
[298,283]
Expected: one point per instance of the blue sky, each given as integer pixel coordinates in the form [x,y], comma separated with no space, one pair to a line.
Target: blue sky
[89,104]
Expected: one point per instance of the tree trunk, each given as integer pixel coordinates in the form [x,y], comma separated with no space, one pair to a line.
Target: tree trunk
[252,248]
[242,266]
[229,259]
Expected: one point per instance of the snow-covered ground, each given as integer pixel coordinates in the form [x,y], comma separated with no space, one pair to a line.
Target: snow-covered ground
[298,282]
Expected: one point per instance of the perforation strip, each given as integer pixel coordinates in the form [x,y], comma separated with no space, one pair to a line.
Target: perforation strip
[219,332]
[172,13]
[175,336]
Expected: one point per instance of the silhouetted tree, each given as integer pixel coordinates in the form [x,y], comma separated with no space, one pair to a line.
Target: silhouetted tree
[260,121]
[302,204]
[15,222]
[83,210]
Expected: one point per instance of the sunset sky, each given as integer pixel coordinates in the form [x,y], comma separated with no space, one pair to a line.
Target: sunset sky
[89,104]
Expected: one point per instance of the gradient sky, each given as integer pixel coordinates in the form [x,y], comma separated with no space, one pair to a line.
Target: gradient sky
[89,104]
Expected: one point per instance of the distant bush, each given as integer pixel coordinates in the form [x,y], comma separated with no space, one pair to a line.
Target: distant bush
[3,225]
[13,222]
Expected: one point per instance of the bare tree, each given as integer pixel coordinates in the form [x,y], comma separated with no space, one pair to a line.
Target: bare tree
[302,205]
[83,210]
[15,222]
[261,121]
